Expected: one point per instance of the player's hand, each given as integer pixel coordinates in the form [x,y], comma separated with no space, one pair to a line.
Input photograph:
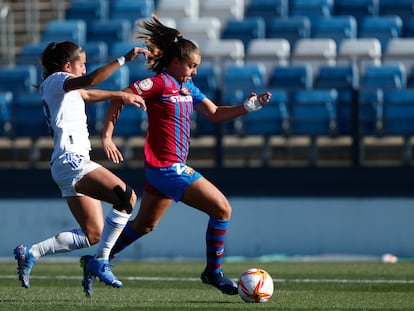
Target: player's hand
[264,98]
[112,152]
[133,99]
[131,55]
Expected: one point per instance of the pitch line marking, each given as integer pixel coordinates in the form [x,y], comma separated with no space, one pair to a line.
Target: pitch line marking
[174,279]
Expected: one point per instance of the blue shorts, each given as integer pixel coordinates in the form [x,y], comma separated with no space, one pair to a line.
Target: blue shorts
[172,181]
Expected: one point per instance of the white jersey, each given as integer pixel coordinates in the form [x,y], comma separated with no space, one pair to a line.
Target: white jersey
[66,116]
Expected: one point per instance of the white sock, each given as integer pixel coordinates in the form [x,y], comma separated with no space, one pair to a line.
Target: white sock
[115,222]
[62,242]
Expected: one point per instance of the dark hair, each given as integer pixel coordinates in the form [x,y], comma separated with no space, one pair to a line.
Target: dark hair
[56,54]
[164,43]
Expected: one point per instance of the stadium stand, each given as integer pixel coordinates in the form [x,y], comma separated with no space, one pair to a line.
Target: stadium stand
[315,52]
[245,30]
[383,28]
[361,50]
[334,27]
[291,28]
[313,9]
[60,30]
[6,100]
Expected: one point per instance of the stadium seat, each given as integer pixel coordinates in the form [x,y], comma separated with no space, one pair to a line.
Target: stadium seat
[400,50]
[223,9]
[270,52]
[315,52]
[357,8]
[21,78]
[240,80]
[245,30]
[272,120]
[371,112]
[398,112]
[61,30]
[96,52]
[313,9]
[88,10]
[6,99]
[130,122]
[131,10]
[313,112]
[178,9]
[117,81]
[110,31]
[383,28]
[291,77]
[206,80]
[345,79]
[291,28]
[201,29]
[267,9]
[25,105]
[403,8]
[360,51]
[335,27]
[391,76]
[222,52]
[30,53]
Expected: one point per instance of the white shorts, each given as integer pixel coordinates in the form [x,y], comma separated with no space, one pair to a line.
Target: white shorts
[68,169]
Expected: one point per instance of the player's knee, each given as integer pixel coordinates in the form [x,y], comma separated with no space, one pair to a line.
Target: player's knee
[223,211]
[127,199]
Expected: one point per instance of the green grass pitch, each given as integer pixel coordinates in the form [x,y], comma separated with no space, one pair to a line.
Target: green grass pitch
[176,285]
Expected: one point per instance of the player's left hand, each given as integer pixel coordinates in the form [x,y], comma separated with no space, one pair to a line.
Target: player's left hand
[264,98]
[131,55]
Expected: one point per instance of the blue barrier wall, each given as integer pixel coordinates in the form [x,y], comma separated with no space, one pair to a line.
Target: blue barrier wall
[260,226]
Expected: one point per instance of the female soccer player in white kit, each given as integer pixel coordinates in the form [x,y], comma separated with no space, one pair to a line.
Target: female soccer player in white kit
[82,182]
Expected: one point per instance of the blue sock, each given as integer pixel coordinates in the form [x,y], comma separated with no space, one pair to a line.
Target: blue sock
[215,235]
[127,237]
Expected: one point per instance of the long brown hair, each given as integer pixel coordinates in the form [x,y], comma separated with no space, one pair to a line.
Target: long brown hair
[164,43]
[56,54]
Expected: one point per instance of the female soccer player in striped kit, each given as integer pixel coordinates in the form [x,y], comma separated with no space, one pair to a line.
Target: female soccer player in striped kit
[170,97]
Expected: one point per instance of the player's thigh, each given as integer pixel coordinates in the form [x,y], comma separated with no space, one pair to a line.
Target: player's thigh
[88,213]
[100,184]
[205,196]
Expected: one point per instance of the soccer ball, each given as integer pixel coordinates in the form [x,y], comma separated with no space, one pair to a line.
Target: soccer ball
[255,285]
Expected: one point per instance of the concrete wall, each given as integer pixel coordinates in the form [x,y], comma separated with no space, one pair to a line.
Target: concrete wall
[260,226]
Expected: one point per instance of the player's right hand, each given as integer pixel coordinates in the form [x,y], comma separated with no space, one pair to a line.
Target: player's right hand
[112,152]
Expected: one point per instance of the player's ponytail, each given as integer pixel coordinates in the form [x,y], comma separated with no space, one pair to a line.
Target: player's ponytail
[164,43]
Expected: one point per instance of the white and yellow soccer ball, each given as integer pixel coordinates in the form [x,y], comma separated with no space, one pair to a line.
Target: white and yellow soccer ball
[255,285]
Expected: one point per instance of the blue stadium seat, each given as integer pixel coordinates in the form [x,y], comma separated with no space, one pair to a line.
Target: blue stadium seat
[28,119]
[291,77]
[313,112]
[267,9]
[313,9]
[130,122]
[96,52]
[385,76]
[345,79]
[110,31]
[62,30]
[335,27]
[21,78]
[403,8]
[398,112]
[383,28]
[88,10]
[206,80]
[271,120]
[245,30]
[370,104]
[357,8]
[131,10]
[6,99]
[291,28]
[116,82]
[248,78]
